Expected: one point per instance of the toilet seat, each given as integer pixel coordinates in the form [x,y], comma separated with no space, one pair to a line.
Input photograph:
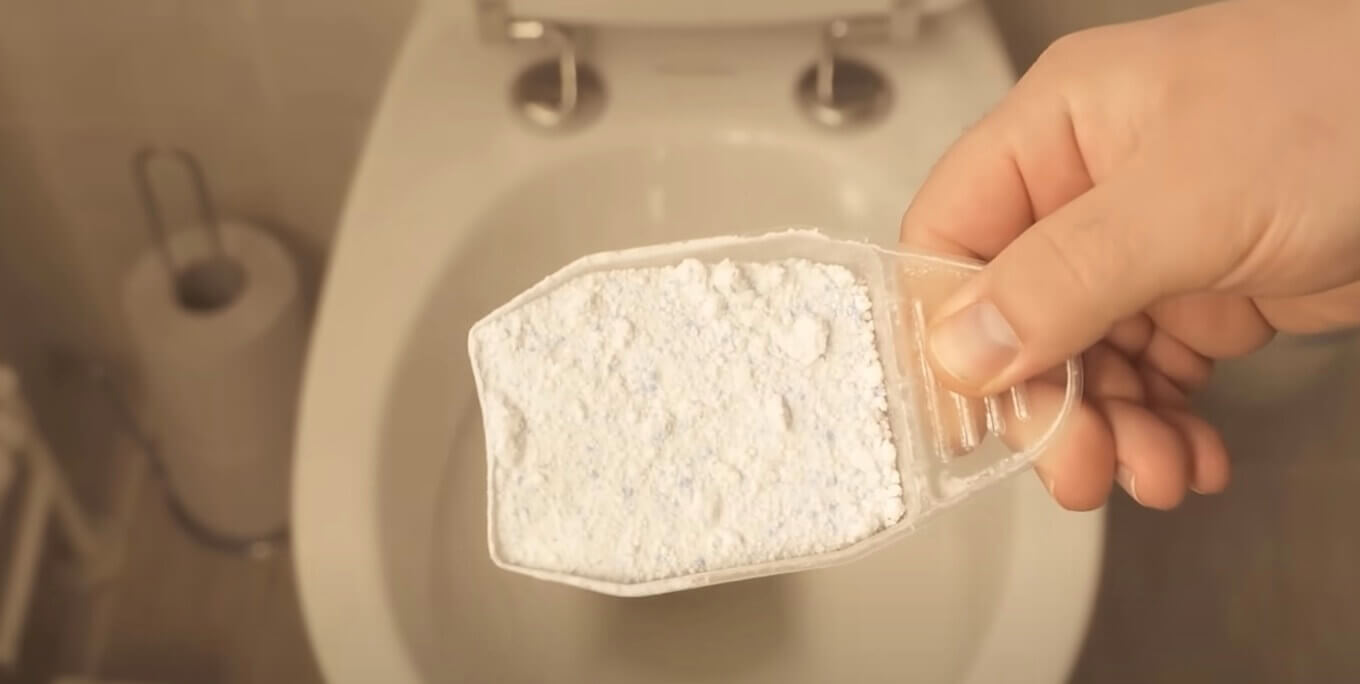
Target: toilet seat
[710,13]
[451,183]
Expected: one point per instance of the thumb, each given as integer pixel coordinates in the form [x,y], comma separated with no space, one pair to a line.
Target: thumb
[1059,287]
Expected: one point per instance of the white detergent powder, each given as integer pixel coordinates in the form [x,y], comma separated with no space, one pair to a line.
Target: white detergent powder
[648,423]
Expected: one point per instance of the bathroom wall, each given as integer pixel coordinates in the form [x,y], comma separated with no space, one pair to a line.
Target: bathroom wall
[1030,25]
[272,96]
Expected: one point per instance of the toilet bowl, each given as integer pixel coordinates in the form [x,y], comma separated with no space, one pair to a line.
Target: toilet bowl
[462,200]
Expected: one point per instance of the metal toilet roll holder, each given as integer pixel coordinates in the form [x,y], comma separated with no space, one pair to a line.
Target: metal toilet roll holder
[205,284]
[202,285]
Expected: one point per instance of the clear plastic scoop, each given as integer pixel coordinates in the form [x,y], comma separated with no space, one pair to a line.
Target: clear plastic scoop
[949,447]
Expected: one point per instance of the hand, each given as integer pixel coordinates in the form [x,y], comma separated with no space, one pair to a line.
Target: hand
[1156,195]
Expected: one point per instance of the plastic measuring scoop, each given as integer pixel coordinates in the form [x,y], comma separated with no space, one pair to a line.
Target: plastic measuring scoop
[948,447]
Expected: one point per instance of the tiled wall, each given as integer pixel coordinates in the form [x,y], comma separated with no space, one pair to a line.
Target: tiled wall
[272,96]
[1030,25]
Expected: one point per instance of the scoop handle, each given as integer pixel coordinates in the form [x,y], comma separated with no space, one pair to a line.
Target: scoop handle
[961,444]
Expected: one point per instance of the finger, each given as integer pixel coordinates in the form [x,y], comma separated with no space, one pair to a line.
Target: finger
[1110,374]
[1327,311]
[1215,325]
[1060,287]
[1018,164]
[1077,467]
[1153,457]
[1211,467]
[1131,335]
[1159,391]
[973,202]
[1177,362]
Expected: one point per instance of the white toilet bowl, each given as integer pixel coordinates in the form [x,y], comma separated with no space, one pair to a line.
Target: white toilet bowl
[459,204]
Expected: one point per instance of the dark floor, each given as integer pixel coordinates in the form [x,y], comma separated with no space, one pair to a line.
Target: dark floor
[1258,584]
[1262,583]
[1255,585]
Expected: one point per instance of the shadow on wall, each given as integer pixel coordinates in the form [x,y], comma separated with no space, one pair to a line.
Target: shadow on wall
[1030,25]
[42,297]
[273,98]
[36,278]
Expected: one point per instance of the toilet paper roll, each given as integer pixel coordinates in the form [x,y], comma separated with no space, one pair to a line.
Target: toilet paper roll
[220,375]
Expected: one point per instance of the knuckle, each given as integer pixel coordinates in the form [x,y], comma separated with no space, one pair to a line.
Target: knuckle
[1084,265]
[1068,51]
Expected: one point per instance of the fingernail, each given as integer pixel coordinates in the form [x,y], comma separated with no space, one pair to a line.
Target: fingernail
[975,343]
[1125,478]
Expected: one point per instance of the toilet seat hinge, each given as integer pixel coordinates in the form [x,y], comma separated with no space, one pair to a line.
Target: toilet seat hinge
[900,24]
[496,24]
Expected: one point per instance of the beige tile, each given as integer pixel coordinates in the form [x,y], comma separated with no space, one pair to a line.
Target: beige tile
[71,63]
[84,170]
[282,652]
[39,262]
[27,250]
[319,56]
[323,66]
[120,64]
[77,64]
[197,67]
[185,612]
[311,170]
[77,227]
[104,77]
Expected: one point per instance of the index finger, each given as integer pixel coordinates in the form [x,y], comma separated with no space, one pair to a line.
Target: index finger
[1017,165]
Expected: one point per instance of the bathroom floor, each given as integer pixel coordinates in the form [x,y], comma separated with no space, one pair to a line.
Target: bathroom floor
[180,613]
[191,614]
[1255,585]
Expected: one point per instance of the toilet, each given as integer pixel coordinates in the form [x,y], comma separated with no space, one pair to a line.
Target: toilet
[484,171]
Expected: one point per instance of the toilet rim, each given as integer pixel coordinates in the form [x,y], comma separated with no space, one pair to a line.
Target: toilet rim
[350,616]
[339,463]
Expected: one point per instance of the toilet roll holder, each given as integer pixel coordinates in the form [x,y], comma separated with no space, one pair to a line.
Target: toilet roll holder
[206,282]
[203,282]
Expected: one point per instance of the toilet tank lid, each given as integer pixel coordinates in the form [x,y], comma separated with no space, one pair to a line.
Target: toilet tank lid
[699,13]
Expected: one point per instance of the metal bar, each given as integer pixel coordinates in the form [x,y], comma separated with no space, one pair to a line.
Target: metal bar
[71,519]
[155,220]
[23,566]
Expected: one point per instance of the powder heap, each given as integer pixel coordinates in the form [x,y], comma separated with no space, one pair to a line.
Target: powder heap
[655,422]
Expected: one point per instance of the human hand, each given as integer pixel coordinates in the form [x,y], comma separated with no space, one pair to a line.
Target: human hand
[1157,195]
